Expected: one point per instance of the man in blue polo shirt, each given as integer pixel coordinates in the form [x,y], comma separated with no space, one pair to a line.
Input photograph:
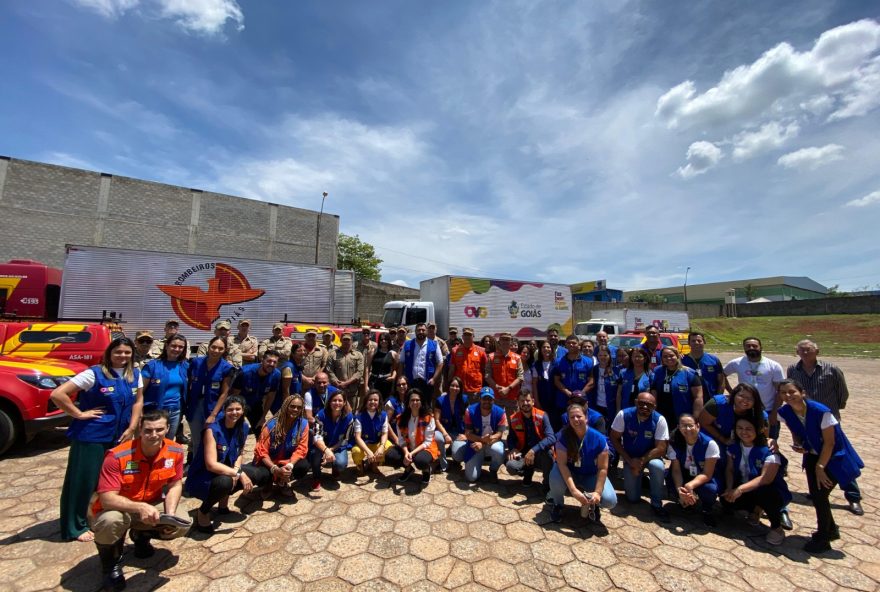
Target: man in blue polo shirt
[708,367]
[258,384]
[573,374]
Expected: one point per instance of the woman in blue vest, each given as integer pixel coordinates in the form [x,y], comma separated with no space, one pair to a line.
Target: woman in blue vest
[332,438]
[217,471]
[370,435]
[542,385]
[754,478]
[281,453]
[106,413]
[291,377]
[636,378]
[449,419]
[677,388]
[829,458]
[209,381]
[165,380]
[719,415]
[394,405]
[605,396]
[692,474]
[581,468]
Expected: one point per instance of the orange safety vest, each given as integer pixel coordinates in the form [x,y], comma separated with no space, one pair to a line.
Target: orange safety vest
[504,371]
[143,479]
[423,424]
[518,426]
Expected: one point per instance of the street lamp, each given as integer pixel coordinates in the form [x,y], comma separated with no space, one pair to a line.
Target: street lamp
[318,229]
[686,287]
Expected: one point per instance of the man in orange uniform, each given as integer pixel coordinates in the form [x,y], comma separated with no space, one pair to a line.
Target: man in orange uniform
[129,493]
[530,442]
[505,373]
[468,362]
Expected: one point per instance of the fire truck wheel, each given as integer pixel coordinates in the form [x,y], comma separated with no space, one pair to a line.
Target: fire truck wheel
[8,431]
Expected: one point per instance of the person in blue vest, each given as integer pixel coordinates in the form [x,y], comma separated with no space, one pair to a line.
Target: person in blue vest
[485,427]
[653,346]
[291,376]
[581,468]
[218,471]
[605,396]
[394,405]
[691,478]
[281,453]
[636,378]
[678,389]
[422,362]
[106,413]
[530,441]
[209,381]
[755,479]
[542,385]
[449,420]
[829,458]
[370,432]
[316,397]
[572,375]
[708,367]
[258,384]
[641,436]
[332,439]
[165,380]
[602,340]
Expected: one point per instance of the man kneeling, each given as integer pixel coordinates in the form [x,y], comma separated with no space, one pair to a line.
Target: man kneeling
[130,496]
[530,441]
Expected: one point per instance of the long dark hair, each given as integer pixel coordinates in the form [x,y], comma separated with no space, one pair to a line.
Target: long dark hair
[760,438]
[424,410]
[236,429]
[756,413]
[176,337]
[606,349]
[370,392]
[222,340]
[678,440]
[283,423]
[569,436]
[107,362]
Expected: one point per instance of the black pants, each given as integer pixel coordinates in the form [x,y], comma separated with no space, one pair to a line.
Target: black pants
[543,462]
[766,497]
[427,390]
[221,486]
[819,495]
[263,476]
[255,417]
[422,459]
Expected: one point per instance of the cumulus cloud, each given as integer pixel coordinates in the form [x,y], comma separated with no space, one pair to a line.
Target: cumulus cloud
[841,65]
[812,157]
[870,199]
[401,283]
[701,156]
[769,137]
[199,16]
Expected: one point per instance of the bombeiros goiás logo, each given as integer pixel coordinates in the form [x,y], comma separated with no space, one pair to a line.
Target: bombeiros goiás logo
[199,308]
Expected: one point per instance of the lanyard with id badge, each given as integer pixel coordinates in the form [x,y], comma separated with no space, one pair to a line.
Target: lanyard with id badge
[667,381]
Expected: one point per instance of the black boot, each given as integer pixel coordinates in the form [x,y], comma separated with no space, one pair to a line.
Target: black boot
[142,546]
[111,566]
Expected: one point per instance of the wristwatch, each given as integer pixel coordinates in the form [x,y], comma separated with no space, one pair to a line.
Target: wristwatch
[238,472]
[818,466]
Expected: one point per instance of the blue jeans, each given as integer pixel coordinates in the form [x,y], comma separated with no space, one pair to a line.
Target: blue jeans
[173,422]
[474,467]
[632,484]
[587,483]
[196,426]
[441,445]
[316,459]
[457,450]
[707,494]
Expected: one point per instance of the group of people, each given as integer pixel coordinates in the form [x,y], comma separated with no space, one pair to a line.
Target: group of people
[578,413]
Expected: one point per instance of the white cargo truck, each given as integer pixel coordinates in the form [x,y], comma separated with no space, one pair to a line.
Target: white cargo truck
[625,320]
[490,306]
[147,288]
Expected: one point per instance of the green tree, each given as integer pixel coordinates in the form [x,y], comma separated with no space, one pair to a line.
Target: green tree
[359,256]
[647,297]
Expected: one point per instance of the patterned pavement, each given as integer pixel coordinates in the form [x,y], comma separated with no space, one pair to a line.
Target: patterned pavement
[378,535]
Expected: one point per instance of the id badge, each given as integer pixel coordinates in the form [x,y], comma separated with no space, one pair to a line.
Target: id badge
[577,462]
[666,388]
[699,371]
[693,470]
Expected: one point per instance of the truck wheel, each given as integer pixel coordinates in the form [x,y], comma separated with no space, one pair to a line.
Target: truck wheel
[8,431]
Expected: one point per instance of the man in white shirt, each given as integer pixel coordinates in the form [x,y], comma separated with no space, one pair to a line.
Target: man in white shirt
[422,362]
[762,373]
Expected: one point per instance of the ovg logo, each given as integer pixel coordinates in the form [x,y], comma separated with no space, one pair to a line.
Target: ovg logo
[513,309]
[199,308]
[476,312]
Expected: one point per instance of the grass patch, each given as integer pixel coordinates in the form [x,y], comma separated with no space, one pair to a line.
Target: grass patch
[838,335]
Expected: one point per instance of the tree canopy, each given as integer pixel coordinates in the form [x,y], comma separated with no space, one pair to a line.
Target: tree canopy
[359,256]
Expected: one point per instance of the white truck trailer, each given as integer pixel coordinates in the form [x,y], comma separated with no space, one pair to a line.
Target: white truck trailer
[617,321]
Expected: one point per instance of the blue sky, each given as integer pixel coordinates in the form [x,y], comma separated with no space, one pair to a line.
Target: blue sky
[555,141]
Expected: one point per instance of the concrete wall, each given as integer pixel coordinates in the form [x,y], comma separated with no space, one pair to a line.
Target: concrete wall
[43,207]
[583,310]
[841,305]
[371,297]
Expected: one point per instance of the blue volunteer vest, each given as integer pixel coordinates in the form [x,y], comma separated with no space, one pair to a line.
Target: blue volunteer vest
[452,419]
[204,385]
[115,396]
[229,446]
[611,380]
[638,436]
[371,427]
[546,391]
[679,399]
[409,358]
[574,375]
[845,464]
[254,387]
[156,383]
[335,431]
[630,388]
[755,465]
[699,454]
[726,420]
[291,439]
[593,444]
[708,369]
[476,421]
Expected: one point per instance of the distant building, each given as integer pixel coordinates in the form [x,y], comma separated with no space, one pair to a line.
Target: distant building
[595,291]
[772,288]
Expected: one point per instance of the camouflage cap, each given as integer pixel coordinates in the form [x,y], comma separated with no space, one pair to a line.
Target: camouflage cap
[141,334]
[278,326]
[223,325]
[244,322]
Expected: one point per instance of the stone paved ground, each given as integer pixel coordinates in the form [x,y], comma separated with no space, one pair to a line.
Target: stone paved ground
[379,536]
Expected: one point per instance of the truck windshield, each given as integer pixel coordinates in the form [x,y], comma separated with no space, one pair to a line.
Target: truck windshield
[393,317]
[588,328]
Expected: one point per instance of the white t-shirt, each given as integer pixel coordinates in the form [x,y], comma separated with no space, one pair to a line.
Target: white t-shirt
[689,466]
[487,424]
[357,424]
[744,461]
[661,432]
[760,375]
[828,420]
[601,400]
[86,379]
[545,370]
[420,356]
[413,430]
[528,374]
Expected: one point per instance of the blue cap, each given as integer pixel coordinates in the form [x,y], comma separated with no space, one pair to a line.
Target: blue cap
[487,392]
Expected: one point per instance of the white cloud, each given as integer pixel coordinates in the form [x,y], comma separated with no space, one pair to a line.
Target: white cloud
[812,157]
[840,64]
[199,16]
[871,198]
[770,136]
[701,157]
[400,283]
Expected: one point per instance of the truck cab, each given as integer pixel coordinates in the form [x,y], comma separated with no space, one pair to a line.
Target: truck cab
[407,313]
[588,329]
[29,289]
[80,342]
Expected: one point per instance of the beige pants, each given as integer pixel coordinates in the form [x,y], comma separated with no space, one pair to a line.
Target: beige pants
[110,526]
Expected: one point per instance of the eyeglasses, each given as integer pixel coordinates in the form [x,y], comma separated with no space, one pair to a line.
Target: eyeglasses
[645,404]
